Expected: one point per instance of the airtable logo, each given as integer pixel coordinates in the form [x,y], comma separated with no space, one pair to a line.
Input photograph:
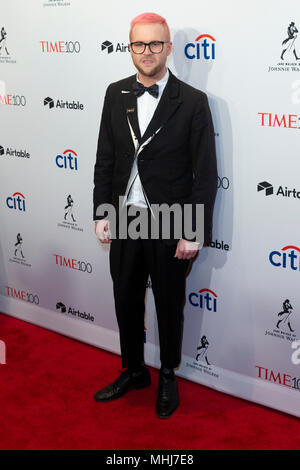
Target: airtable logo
[266,187]
[283,191]
[109,47]
[49,102]
[60,306]
[286,258]
[11,152]
[204,47]
[61,104]
[204,299]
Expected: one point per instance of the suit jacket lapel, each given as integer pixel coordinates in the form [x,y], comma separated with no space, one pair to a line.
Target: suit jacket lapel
[168,104]
[130,104]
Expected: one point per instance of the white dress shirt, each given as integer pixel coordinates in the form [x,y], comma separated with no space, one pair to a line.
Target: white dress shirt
[146,105]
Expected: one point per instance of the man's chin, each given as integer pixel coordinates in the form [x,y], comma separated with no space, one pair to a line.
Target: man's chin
[148,72]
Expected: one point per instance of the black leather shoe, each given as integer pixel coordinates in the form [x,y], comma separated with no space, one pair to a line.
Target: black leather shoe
[167,398]
[125,382]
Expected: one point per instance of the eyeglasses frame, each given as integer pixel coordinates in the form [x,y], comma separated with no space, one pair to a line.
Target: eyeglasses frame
[148,44]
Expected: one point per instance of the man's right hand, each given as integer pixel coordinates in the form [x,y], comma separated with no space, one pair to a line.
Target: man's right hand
[102,231]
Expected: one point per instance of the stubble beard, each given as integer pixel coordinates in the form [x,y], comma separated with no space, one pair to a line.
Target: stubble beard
[152,72]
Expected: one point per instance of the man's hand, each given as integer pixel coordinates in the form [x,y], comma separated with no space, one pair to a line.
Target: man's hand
[102,231]
[186,249]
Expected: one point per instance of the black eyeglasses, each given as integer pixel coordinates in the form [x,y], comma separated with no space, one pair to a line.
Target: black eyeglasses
[155,47]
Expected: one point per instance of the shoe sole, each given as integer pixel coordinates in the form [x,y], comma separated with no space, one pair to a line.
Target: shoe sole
[137,387]
[166,416]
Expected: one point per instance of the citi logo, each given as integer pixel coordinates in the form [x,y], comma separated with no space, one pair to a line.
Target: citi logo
[63,104]
[109,47]
[204,299]
[281,191]
[204,47]
[287,121]
[287,258]
[68,160]
[16,202]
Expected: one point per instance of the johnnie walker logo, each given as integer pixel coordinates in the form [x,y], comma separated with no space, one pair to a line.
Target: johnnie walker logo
[5,56]
[283,327]
[18,252]
[289,52]
[202,363]
[202,350]
[69,221]
[3,43]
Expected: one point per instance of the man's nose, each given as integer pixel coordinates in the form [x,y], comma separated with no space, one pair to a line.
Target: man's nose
[149,50]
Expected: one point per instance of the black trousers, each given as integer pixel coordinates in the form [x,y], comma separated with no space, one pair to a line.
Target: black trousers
[131,262]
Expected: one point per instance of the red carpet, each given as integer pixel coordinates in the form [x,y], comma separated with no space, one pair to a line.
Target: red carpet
[46,402]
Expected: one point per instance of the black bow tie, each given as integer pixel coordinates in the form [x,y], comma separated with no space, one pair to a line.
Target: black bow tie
[139,89]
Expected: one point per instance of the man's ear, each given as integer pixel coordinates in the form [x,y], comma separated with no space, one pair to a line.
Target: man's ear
[170,47]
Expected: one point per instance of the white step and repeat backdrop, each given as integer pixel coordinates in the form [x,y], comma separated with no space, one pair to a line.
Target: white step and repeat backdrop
[242,312]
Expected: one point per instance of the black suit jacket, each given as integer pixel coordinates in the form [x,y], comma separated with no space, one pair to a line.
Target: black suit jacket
[177,166]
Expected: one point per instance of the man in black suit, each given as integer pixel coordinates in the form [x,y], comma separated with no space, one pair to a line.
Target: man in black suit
[156,145]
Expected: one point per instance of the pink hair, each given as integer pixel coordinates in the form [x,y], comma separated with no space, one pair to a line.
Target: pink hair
[149,18]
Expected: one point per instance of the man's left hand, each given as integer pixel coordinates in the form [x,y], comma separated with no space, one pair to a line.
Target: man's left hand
[186,249]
